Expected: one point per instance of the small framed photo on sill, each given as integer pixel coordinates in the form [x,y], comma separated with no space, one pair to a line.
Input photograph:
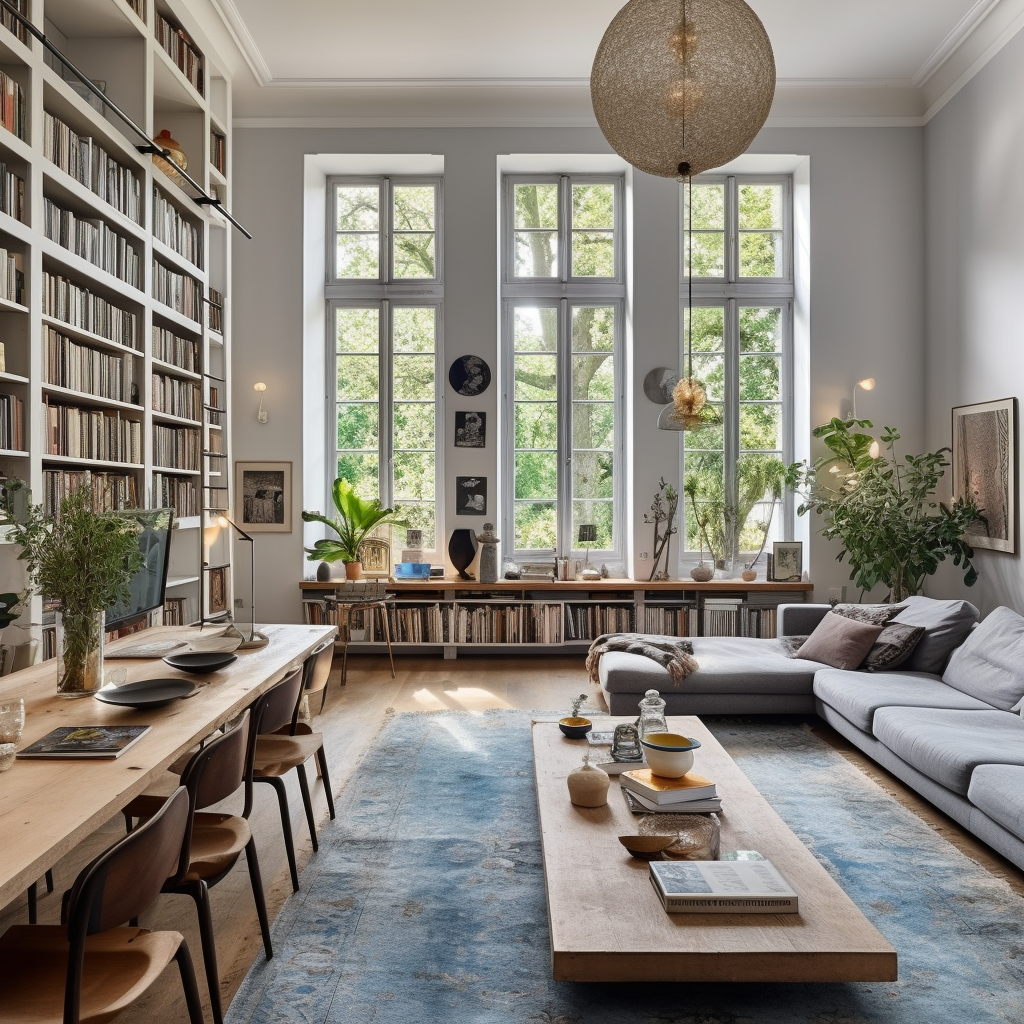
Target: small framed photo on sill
[787,561]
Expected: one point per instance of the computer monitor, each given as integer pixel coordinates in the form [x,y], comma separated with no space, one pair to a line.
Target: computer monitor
[150,581]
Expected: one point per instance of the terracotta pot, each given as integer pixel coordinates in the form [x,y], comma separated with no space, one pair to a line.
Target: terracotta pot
[748,575]
[353,570]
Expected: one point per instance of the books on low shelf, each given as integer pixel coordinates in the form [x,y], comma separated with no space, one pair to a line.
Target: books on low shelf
[85,741]
[722,887]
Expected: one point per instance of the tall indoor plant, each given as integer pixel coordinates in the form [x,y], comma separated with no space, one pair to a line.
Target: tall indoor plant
[883,511]
[356,518]
[84,560]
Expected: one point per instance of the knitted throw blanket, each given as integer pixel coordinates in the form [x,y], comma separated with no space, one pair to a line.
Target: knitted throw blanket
[670,653]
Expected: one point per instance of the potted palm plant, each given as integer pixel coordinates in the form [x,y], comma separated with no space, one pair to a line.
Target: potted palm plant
[356,518]
[84,561]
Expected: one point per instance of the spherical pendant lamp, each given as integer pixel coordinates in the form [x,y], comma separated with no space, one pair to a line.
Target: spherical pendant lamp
[682,86]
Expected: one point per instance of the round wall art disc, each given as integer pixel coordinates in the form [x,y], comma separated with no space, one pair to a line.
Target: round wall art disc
[469,375]
[658,384]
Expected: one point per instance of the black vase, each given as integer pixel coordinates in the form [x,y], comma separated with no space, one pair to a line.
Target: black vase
[323,572]
[462,551]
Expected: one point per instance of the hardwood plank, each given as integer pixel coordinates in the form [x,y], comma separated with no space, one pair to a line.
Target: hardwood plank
[607,923]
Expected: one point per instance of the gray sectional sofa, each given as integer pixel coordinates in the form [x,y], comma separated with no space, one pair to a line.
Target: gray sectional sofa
[948,722]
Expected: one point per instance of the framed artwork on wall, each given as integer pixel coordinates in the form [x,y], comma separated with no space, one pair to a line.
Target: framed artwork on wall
[471,430]
[787,561]
[985,470]
[263,496]
[469,375]
[471,495]
[216,590]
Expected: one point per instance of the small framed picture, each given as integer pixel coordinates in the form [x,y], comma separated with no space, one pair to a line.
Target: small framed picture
[414,537]
[471,495]
[471,430]
[263,496]
[216,593]
[787,561]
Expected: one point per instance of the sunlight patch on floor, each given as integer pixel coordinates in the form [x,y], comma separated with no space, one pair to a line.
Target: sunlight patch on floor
[474,698]
[428,700]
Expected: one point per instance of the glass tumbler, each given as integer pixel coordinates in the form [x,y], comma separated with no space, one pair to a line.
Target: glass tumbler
[12,721]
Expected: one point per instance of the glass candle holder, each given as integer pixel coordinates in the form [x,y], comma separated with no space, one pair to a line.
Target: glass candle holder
[699,835]
[12,721]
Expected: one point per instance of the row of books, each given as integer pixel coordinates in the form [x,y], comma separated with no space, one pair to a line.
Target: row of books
[182,293]
[169,347]
[176,447]
[12,276]
[180,48]
[91,165]
[94,241]
[584,622]
[507,624]
[177,397]
[174,231]
[215,315]
[11,24]
[219,151]
[177,611]
[177,492]
[110,491]
[12,106]
[12,193]
[215,412]
[671,620]
[12,423]
[70,364]
[79,307]
[92,434]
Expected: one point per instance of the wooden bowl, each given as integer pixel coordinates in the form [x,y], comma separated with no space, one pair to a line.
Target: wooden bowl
[647,847]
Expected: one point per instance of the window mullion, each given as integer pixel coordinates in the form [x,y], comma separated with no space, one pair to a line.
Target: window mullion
[732,233]
[564,228]
[565,410]
[731,439]
[385,405]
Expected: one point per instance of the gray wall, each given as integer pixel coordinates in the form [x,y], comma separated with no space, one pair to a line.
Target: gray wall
[975,265]
[864,258]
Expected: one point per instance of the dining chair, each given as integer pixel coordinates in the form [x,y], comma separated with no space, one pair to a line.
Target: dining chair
[87,971]
[284,743]
[214,840]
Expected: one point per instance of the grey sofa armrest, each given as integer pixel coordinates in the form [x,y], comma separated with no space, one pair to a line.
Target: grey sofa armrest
[800,619]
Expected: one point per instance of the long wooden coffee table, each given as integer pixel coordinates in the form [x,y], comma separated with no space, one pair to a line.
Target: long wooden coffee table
[607,923]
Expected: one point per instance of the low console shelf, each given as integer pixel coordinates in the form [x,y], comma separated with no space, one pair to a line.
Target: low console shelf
[454,614]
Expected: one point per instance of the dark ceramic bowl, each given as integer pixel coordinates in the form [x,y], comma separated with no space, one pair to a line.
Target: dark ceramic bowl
[575,728]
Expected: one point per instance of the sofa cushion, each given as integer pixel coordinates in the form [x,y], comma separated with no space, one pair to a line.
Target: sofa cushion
[946,623]
[895,646]
[840,641]
[998,790]
[989,664]
[857,695]
[876,614]
[947,745]
[726,664]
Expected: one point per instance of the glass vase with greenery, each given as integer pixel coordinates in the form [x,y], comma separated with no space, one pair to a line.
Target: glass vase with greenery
[883,511]
[356,518]
[84,560]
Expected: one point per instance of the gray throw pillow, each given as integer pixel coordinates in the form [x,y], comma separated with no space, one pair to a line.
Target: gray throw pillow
[876,614]
[840,641]
[947,625]
[990,663]
[895,644]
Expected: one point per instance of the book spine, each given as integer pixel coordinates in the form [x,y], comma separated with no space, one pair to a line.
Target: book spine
[727,904]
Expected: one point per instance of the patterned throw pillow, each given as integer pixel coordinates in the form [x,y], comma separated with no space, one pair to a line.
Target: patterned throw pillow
[895,644]
[791,645]
[876,614]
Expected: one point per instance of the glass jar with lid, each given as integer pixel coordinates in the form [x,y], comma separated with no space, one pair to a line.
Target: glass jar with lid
[652,714]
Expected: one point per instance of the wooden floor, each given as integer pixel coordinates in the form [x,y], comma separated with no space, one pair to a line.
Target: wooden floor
[350,721]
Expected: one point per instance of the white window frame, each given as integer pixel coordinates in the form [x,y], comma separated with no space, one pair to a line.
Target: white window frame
[732,293]
[563,292]
[386,294]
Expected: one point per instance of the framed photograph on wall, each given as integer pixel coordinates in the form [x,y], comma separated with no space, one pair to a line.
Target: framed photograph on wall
[471,495]
[216,591]
[471,430]
[985,470]
[263,496]
[787,561]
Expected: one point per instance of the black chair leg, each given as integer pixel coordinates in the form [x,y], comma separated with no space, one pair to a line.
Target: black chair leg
[286,825]
[257,893]
[307,804]
[49,880]
[188,983]
[200,892]
[33,892]
[321,759]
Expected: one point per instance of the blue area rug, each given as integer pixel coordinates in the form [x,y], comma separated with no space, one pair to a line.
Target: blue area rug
[426,902]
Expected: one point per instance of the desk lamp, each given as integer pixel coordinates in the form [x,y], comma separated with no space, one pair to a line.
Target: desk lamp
[254,639]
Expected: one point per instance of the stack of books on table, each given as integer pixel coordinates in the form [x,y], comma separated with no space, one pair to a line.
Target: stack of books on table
[646,792]
[721,887]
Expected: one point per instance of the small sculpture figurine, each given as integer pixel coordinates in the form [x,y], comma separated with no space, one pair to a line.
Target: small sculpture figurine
[488,554]
[626,743]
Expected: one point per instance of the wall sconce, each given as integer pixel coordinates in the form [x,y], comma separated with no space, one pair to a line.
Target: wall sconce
[868,384]
[262,414]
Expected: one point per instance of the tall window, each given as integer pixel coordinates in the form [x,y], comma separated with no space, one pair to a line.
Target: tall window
[741,322]
[384,298]
[563,290]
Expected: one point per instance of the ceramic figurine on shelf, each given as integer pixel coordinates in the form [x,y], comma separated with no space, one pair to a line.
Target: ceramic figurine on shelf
[488,554]
[588,785]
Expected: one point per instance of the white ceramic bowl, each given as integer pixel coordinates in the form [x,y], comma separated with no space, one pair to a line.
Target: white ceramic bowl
[669,754]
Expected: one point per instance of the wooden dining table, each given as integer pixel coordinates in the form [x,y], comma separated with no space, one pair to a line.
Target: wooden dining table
[48,807]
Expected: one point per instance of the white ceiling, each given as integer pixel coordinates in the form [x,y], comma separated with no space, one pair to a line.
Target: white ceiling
[475,61]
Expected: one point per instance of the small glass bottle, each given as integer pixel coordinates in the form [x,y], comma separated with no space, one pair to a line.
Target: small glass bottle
[652,714]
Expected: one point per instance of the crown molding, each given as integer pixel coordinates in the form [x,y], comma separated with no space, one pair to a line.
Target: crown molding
[946,50]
